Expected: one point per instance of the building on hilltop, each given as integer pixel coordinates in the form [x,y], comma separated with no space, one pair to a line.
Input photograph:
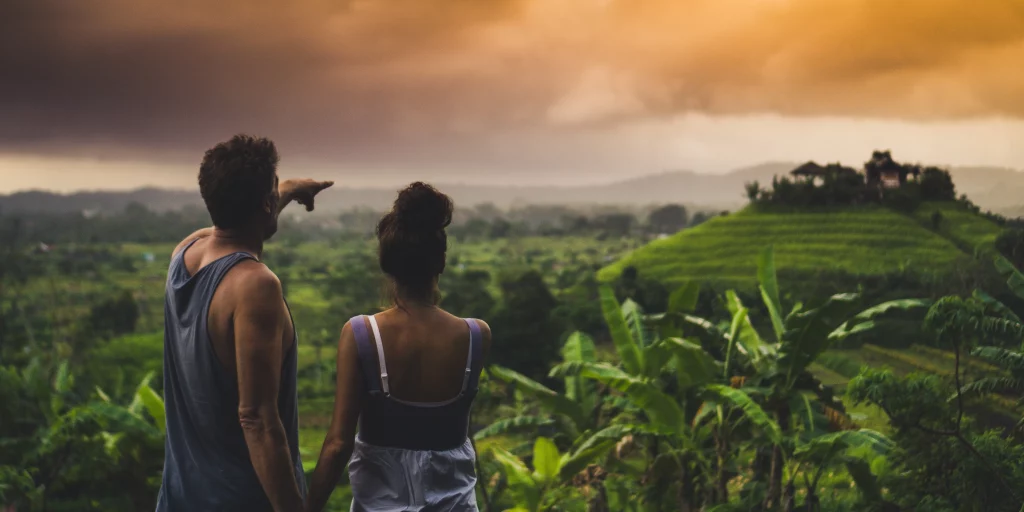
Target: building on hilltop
[812,170]
[884,171]
[881,171]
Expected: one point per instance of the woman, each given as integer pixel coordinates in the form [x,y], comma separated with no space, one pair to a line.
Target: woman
[407,376]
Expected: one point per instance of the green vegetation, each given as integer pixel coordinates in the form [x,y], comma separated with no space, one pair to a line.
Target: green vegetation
[92,311]
[969,230]
[862,241]
[854,366]
[707,415]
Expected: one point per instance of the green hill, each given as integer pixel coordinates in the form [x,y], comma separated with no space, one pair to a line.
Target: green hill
[965,228]
[861,241]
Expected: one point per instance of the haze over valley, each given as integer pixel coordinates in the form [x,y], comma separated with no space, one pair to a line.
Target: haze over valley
[1000,190]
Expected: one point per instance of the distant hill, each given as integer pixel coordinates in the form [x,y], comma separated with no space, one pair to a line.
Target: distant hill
[154,198]
[861,241]
[1000,190]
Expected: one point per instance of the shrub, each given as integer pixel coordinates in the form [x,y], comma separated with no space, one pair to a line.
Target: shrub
[905,199]
[1010,243]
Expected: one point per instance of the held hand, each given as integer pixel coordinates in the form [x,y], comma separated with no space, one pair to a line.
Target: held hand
[302,191]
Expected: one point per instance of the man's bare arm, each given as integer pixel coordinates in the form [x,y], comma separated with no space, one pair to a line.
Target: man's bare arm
[302,191]
[259,327]
[341,435]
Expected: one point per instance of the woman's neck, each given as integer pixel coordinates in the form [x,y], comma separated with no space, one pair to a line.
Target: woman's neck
[414,304]
[417,298]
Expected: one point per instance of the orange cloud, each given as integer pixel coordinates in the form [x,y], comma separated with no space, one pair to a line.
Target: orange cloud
[359,77]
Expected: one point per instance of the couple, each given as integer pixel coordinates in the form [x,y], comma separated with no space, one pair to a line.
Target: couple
[406,376]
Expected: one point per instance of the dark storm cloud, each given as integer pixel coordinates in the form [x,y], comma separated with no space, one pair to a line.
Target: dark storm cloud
[350,79]
[418,81]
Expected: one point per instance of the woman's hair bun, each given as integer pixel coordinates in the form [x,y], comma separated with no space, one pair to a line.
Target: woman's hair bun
[421,207]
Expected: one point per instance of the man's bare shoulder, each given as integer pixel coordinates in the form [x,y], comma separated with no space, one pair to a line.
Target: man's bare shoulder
[202,233]
[254,285]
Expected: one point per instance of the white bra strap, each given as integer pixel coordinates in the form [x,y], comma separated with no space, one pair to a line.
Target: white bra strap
[469,358]
[380,357]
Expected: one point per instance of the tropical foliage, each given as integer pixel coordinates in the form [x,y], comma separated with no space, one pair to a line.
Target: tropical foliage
[701,414]
[66,449]
[702,372]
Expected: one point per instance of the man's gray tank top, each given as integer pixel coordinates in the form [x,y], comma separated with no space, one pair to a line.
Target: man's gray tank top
[206,459]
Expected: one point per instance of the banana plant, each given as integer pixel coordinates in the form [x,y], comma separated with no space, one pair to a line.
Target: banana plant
[781,367]
[572,413]
[772,362]
[642,355]
[853,449]
[677,444]
[73,443]
[551,470]
[637,387]
[144,399]
[684,438]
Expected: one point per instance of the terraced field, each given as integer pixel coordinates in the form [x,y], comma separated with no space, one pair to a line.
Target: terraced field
[861,241]
[969,230]
[916,358]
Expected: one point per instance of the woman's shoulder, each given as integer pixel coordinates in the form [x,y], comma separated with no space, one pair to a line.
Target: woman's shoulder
[485,334]
[484,328]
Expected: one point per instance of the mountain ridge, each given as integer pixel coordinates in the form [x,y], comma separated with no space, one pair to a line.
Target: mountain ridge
[994,188]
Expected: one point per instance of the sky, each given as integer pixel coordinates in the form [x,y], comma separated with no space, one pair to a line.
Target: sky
[117,94]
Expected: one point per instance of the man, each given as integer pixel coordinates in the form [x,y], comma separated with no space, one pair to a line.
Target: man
[229,345]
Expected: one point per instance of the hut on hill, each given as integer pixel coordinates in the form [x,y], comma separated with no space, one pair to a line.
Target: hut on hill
[812,170]
[883,170]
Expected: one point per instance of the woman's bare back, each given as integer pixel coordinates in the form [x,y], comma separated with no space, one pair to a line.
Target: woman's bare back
[425,352]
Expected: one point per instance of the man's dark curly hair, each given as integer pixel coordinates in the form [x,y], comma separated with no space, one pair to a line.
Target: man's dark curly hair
[236,177]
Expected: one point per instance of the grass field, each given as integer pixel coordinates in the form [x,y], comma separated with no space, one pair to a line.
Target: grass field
[861,241]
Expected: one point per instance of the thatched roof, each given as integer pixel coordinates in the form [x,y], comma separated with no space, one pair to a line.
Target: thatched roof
[812,169]
[809,169]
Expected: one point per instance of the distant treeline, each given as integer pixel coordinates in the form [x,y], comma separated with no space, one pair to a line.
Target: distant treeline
[139,224]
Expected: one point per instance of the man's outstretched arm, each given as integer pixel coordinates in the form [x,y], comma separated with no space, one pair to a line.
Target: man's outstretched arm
[259,325]
[302,191]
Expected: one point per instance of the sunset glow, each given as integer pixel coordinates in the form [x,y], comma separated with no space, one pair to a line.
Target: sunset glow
[474,91]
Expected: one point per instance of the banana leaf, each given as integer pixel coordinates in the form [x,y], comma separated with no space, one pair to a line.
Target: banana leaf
[625,344]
